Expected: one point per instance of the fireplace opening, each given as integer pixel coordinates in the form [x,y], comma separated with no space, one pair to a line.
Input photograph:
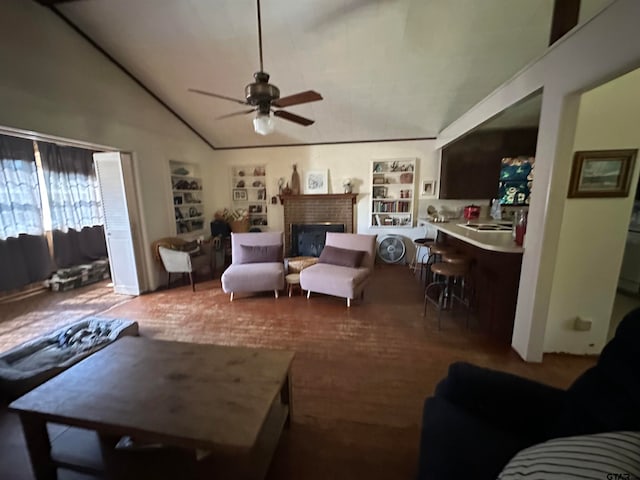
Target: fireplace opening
[307,239]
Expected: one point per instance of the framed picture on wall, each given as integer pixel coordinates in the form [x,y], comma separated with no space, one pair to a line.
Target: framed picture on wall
[428,188]
[316,181]
[601,173]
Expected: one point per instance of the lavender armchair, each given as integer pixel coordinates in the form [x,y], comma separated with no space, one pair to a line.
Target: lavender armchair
[256,263]
[338,280]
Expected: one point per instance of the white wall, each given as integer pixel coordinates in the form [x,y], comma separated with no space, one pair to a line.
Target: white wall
[593,231]
[53,82]
[592,54]
[342,161]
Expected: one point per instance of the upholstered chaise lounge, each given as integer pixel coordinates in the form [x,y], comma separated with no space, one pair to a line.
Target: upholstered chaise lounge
[344,267]
[256,263]
[478,419]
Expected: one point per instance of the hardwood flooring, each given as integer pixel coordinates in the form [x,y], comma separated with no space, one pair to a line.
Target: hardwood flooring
[360,375]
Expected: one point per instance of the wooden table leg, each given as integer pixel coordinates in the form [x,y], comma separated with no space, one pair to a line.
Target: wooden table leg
[286,397]
[39,446]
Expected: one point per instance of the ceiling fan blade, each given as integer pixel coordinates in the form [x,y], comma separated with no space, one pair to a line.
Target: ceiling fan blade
[298,98]
[202,92]
[243,112]
[293,117]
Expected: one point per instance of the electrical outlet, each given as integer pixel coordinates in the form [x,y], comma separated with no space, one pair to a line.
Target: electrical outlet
[582,324]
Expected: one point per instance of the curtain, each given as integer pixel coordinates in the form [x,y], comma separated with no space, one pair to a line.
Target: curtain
[75,248]
[20,207]
[72,187]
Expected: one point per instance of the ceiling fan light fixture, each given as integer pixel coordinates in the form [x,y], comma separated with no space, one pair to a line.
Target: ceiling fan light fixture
[263,124]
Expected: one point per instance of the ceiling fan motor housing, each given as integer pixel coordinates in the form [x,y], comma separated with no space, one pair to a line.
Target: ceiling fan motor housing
[261,91]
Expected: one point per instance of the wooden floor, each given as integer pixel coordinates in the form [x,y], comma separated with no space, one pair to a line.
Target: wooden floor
[360,375]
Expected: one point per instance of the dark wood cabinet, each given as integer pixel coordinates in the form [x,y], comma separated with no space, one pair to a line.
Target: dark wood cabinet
[470,167]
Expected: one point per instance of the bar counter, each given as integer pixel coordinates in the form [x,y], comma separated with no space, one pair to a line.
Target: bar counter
[495,274]
[494,241]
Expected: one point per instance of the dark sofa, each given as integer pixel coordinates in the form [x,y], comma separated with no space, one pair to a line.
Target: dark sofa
[478,418]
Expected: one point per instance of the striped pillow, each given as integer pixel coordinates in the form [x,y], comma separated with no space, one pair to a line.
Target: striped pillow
[603,456]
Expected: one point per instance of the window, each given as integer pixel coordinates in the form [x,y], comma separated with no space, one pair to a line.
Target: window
[20,205]
[46,187]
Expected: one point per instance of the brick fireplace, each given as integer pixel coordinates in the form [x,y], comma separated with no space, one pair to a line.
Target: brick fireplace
[334,208]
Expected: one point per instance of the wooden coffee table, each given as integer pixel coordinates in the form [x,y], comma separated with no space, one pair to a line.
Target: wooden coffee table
[231,401]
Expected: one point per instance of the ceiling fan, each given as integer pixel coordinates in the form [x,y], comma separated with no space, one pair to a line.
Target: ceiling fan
[264,96]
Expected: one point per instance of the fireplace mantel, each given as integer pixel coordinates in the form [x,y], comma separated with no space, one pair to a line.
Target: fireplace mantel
[320,196]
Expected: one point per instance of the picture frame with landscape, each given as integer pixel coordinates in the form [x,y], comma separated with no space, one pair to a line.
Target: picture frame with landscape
[601,173]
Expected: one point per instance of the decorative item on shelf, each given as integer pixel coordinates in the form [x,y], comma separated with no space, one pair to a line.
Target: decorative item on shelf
[191,198]
[240,184]
[394,166]
[239,195]
[285,191]
[347,185]
[241,173]
[181,171]
[281,182]
[259,172]
[295,181]
[379,192]
[406,177]
[257,184]
[182,185]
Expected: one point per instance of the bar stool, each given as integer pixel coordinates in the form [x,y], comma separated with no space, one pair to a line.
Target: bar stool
[418,257]
[436,250]
[450,273]
[464,292]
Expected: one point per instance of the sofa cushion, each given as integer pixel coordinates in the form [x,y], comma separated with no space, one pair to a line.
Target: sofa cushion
[253,277]
[333,279]
[343,257]
[260,253]
[603,455]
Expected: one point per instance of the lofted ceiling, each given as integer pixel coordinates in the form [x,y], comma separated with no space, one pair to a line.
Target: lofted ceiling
[387,69]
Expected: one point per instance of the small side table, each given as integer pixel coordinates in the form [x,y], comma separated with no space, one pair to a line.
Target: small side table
[293,279]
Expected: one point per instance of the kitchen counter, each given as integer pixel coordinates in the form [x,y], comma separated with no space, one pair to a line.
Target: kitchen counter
[494,241]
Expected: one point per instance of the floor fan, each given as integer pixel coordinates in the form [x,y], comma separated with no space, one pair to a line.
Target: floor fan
[391,249]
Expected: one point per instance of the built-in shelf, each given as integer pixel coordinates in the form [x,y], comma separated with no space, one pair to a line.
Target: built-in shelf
[392,193]
[187,189]
[249,191]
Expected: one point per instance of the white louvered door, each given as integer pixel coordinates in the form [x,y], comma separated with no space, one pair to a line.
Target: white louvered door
[114,171]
